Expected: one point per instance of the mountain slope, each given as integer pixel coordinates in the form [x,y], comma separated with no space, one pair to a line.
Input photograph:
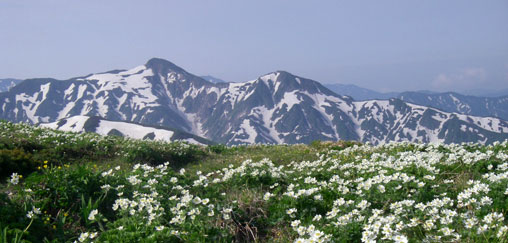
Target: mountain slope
[454,102]
[127,129]
[448,101]
[359,93]
[275,108]
[8,83]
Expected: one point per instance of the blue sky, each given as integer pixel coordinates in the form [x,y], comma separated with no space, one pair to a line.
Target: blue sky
[383,45]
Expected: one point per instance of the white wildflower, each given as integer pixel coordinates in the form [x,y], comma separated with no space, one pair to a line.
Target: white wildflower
[15,178]
[317,217]
[295,223]
[92,214]
[83,236]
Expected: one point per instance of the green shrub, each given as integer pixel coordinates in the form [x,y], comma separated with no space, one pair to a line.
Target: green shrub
[10,213]
[155,152]
[13,221]
[15,160]
[218,149]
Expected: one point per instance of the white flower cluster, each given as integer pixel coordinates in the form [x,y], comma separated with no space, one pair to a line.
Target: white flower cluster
[15,178]
[393,192]
[149,184]
[145,199]
[379,170]
[309,234]
[92,214]
[33,212]
[83,237]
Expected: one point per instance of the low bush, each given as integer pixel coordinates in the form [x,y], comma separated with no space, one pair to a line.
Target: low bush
[15,160]
[156,152]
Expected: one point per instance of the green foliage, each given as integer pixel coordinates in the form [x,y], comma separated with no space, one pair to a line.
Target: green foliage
[9,235]
[40,144]
[13,223]
[329,145]
[155,152]
[15,160]
[11,213]
[218,149]
[336,191]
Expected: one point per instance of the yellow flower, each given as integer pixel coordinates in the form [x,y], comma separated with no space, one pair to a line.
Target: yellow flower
[66,214]
[45,166]
[54,226]
[59,167]
[95,166]
[20,176]
[45,161]
[38,167]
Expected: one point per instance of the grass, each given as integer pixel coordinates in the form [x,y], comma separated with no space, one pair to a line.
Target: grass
[65,187]
[280,154]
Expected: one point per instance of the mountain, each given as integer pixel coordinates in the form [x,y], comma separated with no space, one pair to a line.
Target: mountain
[213,79]
[448,101]
[359,93]
[486,92]
[275,108]
[463,104]
[8,83]
[124,129]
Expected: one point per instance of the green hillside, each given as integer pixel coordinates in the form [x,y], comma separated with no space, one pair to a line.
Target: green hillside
[65,187]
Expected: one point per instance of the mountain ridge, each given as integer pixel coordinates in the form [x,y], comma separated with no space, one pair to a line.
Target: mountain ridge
[277,107]
[445,101]
[360,93]
[8,83]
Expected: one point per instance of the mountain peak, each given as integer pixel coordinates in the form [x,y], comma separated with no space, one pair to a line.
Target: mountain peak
[278,76]
[283,72]
[159,64]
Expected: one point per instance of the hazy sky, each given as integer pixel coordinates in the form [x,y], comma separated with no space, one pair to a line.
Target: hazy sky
[382,45]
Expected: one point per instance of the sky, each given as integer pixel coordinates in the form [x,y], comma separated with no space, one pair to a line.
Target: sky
[389,45]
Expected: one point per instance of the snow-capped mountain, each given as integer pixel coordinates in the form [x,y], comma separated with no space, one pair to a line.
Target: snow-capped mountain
[463,104]
[275,108]
[124,129]
[8,83]
[447,101]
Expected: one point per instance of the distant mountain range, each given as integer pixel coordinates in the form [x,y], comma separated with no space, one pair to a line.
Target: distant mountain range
[448,101]
[213,79]
[454,102]
[277,107]
[8,83]
[486,93]
[123,129]
[359,93]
